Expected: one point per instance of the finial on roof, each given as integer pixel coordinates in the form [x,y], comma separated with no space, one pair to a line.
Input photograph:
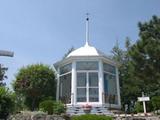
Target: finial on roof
[87,29]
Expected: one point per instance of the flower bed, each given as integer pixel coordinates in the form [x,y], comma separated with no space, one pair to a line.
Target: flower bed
[87,108]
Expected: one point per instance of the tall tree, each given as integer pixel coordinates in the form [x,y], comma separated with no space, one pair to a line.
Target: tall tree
[128,88]
[2,74]
[68,52]
[35,82]
[145,56]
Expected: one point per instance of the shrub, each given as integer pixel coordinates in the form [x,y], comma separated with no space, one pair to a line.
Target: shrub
[47,106]
[6,102]
[156,102]
[91,117]
[51,107]
[59,108]
[138,107]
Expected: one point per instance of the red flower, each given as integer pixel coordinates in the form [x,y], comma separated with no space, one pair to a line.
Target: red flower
[87,106]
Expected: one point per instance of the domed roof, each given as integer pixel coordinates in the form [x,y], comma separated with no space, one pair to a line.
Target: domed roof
[86,50]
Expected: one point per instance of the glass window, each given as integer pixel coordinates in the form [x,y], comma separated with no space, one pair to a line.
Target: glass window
[109,68]
[81,79]
[110,88]
[105,83]
[93,79]
[93,95]
[65,88]
[87,65]
[65,68]
[81,94]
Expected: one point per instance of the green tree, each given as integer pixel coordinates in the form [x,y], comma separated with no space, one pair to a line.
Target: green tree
[128,88]
[2,74]
[6,102]
[156,102]
[68,52]
[35,83]
[145,58]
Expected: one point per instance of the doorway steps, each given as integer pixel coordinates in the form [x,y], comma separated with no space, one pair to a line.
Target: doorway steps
[78,110]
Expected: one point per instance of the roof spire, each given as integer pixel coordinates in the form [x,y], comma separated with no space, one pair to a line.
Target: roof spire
[87,30]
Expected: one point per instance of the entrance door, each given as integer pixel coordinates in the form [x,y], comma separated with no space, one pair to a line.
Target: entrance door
[87,87]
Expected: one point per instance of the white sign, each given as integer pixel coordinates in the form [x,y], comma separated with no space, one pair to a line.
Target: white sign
[143,99]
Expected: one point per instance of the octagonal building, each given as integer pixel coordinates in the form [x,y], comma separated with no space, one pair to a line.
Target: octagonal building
[88,76]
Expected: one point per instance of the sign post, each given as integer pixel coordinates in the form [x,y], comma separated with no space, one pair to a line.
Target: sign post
[143,99]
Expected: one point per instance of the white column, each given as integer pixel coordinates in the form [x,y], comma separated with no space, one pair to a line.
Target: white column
[73,84]
[101,82]
[118,88]
[57,93]
[87,89]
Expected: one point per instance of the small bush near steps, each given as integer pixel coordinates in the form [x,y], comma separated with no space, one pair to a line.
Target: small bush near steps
[51,107]
[91,117]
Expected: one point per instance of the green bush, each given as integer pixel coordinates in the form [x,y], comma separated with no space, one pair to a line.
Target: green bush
[138,107]
[47,106]
[59,108]
[91,117]
[51,107]
[156,102]
[6,102]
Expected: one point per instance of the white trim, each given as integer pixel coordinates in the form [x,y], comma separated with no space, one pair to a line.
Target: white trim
[73,84]
[57,92]
[65,73]
[109,73]
[87,87]
[101,83]
[86,58]
[118,88]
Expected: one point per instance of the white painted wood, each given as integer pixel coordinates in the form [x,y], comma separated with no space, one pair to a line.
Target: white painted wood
[143,99]
[57,92]
[101,82]
[73,84]
[118,88]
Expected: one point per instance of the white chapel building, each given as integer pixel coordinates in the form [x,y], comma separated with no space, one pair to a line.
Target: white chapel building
[88,76]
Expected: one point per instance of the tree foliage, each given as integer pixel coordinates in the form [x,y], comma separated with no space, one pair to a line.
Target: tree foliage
[145,57]
[128,88]
[35,82]
[140,63]
[6,102]
[156,102]
[68,52]
[2,74]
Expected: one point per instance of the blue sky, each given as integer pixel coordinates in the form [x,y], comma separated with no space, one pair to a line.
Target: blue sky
[41,31]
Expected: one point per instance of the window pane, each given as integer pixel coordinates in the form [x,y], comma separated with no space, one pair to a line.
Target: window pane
[87,65]
[81,79]
[65,68]
[110,88]
[105,83]
[93,95]
[93,79]
[109,68]
[81,94]
[65,88]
